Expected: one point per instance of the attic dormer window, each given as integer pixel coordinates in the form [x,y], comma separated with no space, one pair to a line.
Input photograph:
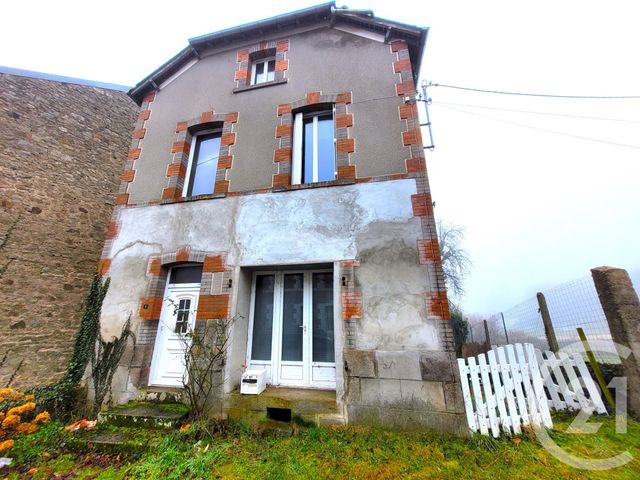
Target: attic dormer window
[263,70]
[261,65]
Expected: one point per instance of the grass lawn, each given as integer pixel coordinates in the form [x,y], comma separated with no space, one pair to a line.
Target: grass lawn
[238,451]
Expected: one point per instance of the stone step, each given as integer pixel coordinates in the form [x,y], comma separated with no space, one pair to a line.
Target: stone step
[276,428]
[304,403]
[128,442]
[145,415]
[328,419]
[160,395]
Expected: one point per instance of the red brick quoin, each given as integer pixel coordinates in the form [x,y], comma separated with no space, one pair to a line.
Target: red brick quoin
[246,56]
[343,122]
[213,303]
[176,171]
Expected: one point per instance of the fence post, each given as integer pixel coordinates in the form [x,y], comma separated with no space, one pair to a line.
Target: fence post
[504,325]
[622,308]
[596,369]
[486,333]
[548,325]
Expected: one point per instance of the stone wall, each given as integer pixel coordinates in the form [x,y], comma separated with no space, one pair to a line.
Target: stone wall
[404,389]
[61,151]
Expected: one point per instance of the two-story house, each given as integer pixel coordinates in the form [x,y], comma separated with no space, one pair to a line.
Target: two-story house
[277,177]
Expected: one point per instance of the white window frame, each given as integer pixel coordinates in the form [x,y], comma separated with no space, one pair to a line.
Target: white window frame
[264,61]
[273,365]
[297,166]
[192,152]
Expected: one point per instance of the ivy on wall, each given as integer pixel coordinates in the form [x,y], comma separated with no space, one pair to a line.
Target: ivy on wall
[61,398]
[83,350]
[104,363]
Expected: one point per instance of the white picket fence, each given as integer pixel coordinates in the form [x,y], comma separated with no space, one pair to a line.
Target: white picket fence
[573,390]
[515,386]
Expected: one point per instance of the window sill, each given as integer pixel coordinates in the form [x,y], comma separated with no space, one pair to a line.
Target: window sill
[304,186]
[287,188]
[260,85]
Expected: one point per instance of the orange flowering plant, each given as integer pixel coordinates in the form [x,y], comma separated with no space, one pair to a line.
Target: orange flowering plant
[17,416]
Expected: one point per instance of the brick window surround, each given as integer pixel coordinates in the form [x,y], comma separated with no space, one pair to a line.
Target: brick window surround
[214,302]
[345,143]
[245,56]
[215,286]
[177,169]
[351,299]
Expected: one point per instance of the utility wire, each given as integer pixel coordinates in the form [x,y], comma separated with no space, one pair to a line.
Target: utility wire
[500,92]
[586,117]
[637,147]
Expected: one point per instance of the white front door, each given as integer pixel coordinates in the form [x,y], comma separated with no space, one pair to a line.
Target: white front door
[177,318]
[291,328]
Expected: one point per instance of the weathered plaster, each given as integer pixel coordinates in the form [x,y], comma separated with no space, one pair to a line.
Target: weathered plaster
[237,349]
[370,222]
[255,230]
[394,317]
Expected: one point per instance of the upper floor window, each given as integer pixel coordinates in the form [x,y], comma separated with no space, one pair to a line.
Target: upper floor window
[203,163]
[314,146]
[263,70]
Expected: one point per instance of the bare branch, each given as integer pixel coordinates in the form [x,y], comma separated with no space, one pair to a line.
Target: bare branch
[205,349]
[456,263]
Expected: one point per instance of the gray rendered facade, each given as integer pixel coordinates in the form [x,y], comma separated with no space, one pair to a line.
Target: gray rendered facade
[372,226]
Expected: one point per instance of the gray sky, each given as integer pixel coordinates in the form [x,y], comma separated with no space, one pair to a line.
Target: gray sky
[539,208]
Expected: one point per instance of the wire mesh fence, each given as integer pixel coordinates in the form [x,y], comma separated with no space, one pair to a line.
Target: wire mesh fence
[571,305]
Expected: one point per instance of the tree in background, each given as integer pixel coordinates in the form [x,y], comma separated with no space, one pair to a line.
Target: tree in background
[456,263]
[460,329]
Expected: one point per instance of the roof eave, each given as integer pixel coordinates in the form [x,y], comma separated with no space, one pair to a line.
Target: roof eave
[317,12]
[420,53]
[415,36]
[227,36]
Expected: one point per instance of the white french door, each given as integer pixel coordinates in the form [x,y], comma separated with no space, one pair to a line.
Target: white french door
[177,318]
[291,332]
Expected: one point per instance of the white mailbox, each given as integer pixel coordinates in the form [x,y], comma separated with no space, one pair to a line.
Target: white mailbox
[253,382]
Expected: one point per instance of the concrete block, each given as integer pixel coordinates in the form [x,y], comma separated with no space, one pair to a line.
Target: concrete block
[400,365]
[453,397]
[437,367]
[406,419]
[621,307]
[329,419]
[419,395]
[381,392]
[359,363]
[353,390]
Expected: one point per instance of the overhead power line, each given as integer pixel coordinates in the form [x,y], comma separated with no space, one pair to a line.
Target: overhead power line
[524,94]
[636,147]
[533,112]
